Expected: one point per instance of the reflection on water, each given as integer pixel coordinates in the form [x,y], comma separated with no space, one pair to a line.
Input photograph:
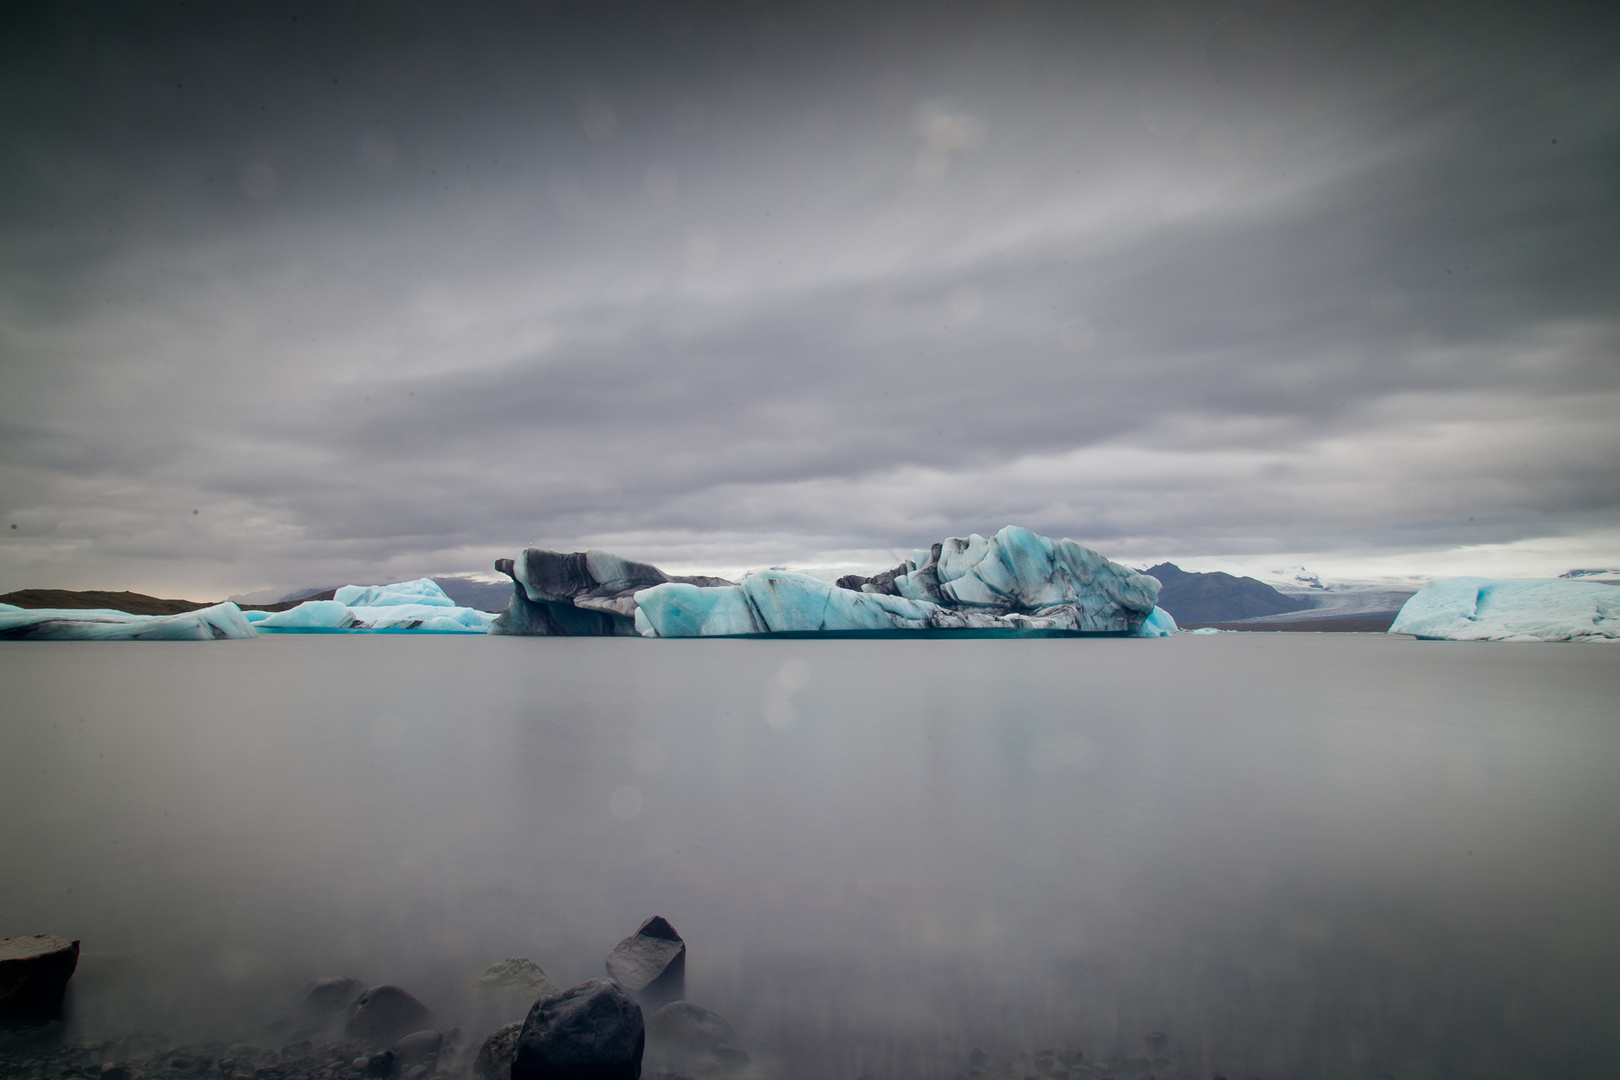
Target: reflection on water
[1290,854]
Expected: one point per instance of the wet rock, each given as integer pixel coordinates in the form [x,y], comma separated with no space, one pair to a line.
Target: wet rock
[592,1031]
[494,1060]
[689,1026]
[34,973]
[385,1013]
[730,1057]
[419,1046]
[385,1064]
[515,977]
[651,963]
[326,998]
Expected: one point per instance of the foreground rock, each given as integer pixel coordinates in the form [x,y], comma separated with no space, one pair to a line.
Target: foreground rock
[1014,582]
[494,1060]
[651,963]
[684,1026]
[592,1031]
[327,998]
[385,1013]
[515,976]
[34,973]
[1482,609]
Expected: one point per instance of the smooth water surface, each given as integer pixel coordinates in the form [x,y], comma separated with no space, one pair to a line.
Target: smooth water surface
[1311,855]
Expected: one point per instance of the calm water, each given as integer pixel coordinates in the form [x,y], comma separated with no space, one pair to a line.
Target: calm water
[1312,855]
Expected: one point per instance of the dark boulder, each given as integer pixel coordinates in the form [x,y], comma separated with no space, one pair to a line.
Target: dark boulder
[592,1031]
[329,997]
[494,1060]
[681,1024]
[383,1014]
[651,963]
[417,1047]
[34,973]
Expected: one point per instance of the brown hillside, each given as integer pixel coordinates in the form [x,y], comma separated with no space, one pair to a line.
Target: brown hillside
[132,602]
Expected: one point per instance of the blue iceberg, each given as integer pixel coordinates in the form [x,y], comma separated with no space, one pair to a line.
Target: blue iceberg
[1486,609]
[418,606]
[96,624]
[1014,582]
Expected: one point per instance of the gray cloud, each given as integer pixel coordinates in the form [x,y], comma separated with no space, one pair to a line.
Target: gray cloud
[381,293]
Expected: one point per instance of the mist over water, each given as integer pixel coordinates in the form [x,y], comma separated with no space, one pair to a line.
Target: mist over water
[1319,855]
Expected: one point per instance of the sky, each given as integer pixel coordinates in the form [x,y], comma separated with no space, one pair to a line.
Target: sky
[293,295]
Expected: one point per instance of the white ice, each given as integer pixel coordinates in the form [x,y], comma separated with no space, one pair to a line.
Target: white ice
[1483,609]
[78,624]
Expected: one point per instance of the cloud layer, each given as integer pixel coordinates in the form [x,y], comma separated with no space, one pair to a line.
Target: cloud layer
[321,296]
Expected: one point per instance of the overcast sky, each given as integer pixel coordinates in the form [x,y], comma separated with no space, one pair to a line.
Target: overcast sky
[355,292]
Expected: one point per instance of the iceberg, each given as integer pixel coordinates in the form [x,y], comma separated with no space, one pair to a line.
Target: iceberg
[1016,581]
[1484,609]
[103,624]
[418,606]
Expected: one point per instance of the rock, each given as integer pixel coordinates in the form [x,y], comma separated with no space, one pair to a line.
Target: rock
[416,1072]
[385,1064]
[651,963]
[494,1060]
[34,973]
[689,1026]
[592,1031]
[730,1057]
[329,997]
[383,1014]
[417,1047]
[516,976]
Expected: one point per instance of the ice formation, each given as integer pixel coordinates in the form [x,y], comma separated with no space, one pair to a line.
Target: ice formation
[1015,581]
[1482,609]
[419,606]
[99,624]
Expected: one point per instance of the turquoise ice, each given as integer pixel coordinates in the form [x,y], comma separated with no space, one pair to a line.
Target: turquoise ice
[1487,609]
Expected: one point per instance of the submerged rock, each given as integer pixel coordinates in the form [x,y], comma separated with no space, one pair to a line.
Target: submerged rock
[683,1025]
[494,1060]
[329,997]
[34,973]
[417,1047]
[383,1014]
[651,963]
[592,1031]
[515,976]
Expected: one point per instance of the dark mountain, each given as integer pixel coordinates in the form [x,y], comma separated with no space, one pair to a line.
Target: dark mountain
[481,595]
[84,600]
[1219,598]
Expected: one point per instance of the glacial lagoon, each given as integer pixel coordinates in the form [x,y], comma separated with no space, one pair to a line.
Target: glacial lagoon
[1255,855]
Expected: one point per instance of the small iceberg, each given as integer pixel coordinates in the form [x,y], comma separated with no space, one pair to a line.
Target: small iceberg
[103,624]
[418,606]
[1483,609]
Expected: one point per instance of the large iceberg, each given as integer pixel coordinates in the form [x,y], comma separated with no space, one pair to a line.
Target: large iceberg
[1014,582]
[1483,609]
[101,624]
[419,606]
